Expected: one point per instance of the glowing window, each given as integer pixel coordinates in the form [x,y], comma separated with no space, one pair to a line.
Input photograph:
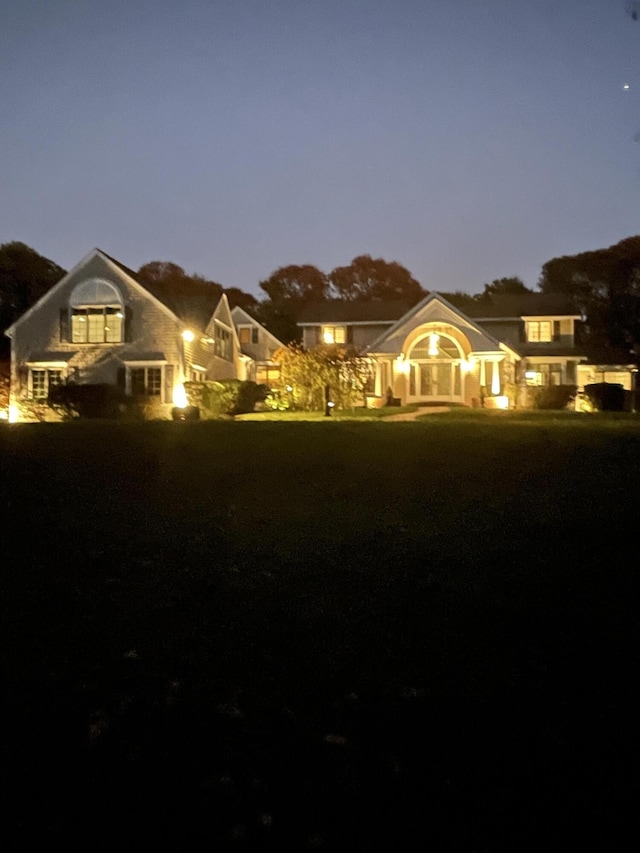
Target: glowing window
[334,334]
[539,331]
[97,313]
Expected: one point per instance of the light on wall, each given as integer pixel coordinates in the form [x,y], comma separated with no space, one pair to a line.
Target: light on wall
[188,336]
[402,366]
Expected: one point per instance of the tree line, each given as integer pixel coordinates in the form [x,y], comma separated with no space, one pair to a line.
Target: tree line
[603,285]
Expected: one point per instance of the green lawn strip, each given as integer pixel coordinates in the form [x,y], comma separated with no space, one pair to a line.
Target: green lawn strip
[359,413]
[224,621]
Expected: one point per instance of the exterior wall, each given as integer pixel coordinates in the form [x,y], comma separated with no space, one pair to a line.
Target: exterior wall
[149,329]
[359,335]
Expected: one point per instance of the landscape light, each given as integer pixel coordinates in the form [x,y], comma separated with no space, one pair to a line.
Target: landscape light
[180,397]
[14,414]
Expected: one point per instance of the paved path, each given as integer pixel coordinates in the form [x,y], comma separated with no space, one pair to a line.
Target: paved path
[411,416]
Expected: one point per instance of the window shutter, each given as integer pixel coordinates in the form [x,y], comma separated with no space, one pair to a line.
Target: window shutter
[349,334]
[523,335]
[556,330]
[128,314]
[23,378]
[64,325]
[168,383]
[121,378]
[317,331]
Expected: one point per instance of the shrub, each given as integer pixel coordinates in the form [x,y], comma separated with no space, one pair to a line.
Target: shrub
[554,396]
[86,401]
[606,396]
[226,397]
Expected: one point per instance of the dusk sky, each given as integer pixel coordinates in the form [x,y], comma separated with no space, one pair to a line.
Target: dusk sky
[466,139]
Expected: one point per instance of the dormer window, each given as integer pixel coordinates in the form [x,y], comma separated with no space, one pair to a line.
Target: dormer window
[539,331]
[97,313]
[334,335]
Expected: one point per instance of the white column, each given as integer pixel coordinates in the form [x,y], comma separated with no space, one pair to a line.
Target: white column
[495,379]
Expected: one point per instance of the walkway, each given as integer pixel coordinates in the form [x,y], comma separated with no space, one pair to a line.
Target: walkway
[423,410]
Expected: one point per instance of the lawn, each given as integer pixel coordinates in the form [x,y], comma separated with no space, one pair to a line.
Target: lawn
[292,636]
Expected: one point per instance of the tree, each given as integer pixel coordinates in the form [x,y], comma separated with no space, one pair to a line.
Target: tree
[304,375]
[512,286]
[605,286]
[288,288]
[241,299]
[25,276]
[191,295]
[304,283]
[374,278]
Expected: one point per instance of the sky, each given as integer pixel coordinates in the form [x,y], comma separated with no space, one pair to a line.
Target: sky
[466,139]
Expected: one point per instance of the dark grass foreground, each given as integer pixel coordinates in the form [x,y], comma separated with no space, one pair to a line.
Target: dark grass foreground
[252,636]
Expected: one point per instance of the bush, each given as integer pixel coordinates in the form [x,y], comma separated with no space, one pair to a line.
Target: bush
[86,401]
[606,396]
[554,396]
[226,397]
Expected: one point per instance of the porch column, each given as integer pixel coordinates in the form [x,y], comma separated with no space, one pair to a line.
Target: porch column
[483,373]
[495,378]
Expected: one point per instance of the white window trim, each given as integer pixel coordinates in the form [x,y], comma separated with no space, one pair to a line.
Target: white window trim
[62,366]
[131,364]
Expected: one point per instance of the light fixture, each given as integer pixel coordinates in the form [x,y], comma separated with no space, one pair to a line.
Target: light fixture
[188,335]
[433,344]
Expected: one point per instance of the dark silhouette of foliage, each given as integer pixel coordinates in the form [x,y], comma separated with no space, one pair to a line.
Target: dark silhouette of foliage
[374,278]
[605,286]
[25,276]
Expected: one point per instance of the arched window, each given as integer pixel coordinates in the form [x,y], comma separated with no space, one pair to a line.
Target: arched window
[97,313]
[436,345]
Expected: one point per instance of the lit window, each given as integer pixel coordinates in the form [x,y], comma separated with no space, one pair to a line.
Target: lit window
[334,334]
[267,374]
[97,313]
[539,331]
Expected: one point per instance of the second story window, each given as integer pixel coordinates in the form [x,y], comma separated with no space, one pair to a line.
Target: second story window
[97,313]
[248,334]
[539,331]
[222,343]
[333,335]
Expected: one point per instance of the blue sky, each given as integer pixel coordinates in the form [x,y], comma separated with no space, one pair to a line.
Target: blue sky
[466,139]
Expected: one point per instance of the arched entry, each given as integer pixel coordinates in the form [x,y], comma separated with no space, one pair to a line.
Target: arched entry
[435,368]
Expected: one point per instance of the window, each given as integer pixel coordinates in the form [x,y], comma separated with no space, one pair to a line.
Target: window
[544,374]
[198,374]
[267,374]
[539,331]
[222,343]
[248,334]
[41,380]
[146,381]
[333,334]
[97,313]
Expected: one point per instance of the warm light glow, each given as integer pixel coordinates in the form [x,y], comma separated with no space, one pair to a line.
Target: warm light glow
[502,402]
[188,335]
[180,397]
[14,414]
[466,366]
[330,404]
[327,336]
[4,415]
[402,366]
[495,379]
[433,344]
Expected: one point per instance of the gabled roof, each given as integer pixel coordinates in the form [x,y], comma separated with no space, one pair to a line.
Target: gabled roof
[454,314]
[194,304]
[241,316]
[343,311]
[512,306]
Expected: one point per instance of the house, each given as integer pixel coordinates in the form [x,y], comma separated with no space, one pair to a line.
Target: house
[434,352]
[259,345]
[101,325]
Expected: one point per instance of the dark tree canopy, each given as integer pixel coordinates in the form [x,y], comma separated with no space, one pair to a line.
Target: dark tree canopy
[25,276]
[241,299]
[605,285]
[374,278]
[192,296]
[510,286]
[300,283]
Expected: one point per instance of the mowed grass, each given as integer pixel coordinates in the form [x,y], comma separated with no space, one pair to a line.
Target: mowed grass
[321,635]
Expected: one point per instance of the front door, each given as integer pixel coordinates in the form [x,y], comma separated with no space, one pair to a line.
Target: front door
[434,380]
